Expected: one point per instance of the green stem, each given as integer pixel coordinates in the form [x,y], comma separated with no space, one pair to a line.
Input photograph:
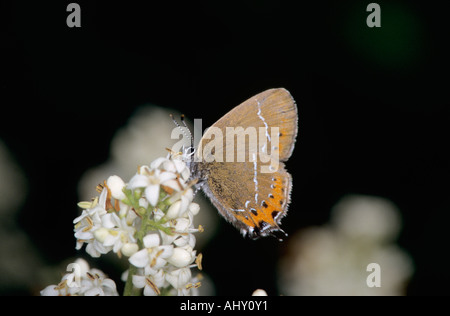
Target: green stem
[147,225]
[129,289]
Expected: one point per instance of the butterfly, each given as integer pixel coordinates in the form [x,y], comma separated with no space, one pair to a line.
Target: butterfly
[246,180]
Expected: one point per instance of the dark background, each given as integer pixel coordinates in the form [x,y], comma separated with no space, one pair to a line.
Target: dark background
[373,110]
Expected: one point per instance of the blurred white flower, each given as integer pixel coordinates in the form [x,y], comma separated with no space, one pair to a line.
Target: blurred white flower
[20,263]
[259,292]
[367,217]
[13,185]
[333,259]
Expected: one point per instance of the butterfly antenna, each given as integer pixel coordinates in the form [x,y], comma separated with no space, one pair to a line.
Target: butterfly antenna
[187,128]
[182,129]
[174,120]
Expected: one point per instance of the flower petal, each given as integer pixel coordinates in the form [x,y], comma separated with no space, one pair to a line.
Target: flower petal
[157,162]
[179,278]
[139,259]
[116,185]
[149,291]
[180,258]
[173,184]
[138,181]
[129,249]
[50,291]
[151,240]
[152,194]
[102,198]
[84,235]
[194,208]
[110,220]
[179,165]
[165,176]
[182,225]
[174,210]
[168,165]
[95,291]
[167,251]
[102,235]
[139,281]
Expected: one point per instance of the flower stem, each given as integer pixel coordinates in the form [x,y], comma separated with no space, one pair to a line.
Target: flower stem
[147,225]
[129,289]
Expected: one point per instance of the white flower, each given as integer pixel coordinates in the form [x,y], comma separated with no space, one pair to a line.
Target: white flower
[259,292]
[151,180]
[174,210]
[182,257]
[90,219]
[116,185]
[151,240]
[152,193]
[129,249]
[80,267]
[183,233]
[172,250]
[194,208]
[104,231]
[82,281]
[155,164]
[119,232]
[151,284]
[95,284]
[95,249]
[181,203]
[153,256]
[51,290]
[88,223]
[179,278]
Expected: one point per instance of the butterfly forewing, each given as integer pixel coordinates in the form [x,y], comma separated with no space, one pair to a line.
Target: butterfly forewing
[248,182]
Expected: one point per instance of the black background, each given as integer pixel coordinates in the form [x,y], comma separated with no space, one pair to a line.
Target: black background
[373,110]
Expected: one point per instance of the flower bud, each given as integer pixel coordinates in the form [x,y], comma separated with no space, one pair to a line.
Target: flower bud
[174,210]
[180,258]
[116,185]
[101,234]
[129,249]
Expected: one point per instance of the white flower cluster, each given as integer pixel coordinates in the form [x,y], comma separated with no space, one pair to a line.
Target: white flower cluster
[102,228]
[149,220]
[82,281]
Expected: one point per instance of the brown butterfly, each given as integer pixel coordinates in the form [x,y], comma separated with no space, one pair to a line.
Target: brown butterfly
[239,163]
